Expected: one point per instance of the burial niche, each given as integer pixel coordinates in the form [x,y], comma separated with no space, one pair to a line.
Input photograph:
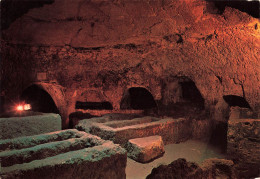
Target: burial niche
[94,105]
[181,98]
[39,99]
[137,98]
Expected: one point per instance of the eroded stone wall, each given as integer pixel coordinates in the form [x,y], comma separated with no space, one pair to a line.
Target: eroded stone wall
[109,47]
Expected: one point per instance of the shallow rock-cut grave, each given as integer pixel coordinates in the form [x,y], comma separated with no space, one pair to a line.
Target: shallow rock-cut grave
[61,154]
[120,131]
[210,168]
[243,146]
[29,125]
[145,149]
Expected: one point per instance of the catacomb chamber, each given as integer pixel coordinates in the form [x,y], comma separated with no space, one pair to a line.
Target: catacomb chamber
[168,71]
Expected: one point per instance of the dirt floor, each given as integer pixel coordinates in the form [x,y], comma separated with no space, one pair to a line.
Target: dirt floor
[191,150]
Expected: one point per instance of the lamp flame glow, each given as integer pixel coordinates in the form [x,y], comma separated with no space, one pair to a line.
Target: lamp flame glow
[27,107]
[19,108]
[23,107]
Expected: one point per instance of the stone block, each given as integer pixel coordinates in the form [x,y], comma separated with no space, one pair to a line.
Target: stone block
[29,125]
[145,149]
[62,154]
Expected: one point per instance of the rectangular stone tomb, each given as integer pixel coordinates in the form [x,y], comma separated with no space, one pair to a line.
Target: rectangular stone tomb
[61,154]
[145,149]
[29,125]
[120,131]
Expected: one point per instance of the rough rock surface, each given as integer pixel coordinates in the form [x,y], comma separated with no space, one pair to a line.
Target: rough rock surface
[201,129]
[210,168]
[243,146]
[29,141]
[241,113]
[75,155]
[110,46]
[145,149]
[218,168]
[29,125]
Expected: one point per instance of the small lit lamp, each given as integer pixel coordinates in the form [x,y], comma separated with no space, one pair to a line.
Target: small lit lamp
[19,108]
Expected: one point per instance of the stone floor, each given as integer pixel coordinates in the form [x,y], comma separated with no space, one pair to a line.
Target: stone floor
[191,150]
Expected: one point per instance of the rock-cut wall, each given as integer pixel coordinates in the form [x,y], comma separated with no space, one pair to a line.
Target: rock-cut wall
[110,46]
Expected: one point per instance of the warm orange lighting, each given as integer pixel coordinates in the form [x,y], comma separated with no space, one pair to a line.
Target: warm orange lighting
[23,107]
[19,108]
[27,107]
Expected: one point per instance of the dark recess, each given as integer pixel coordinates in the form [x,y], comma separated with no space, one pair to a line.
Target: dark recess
[94,105]
[2,102]
[234,100]
[250,7]
[138,98]
[13,9]
[219,133]
[191,93]
[190,104]
[219,136]
[39,100]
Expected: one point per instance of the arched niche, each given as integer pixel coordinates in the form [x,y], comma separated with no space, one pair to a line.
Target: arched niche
[137,98]
[39,99]
[92,100]
[181,98]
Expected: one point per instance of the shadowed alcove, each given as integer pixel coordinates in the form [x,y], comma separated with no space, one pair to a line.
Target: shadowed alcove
[39,100]
[94,105]
[181,98]
[219,132]
[137,98]
[233,100]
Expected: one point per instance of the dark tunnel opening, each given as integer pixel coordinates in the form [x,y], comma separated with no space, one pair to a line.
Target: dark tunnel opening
[137,98]
[219,136]
[181,98]
[191,94]
[39,100]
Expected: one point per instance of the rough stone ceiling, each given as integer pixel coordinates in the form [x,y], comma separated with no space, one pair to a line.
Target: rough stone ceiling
[13,9]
